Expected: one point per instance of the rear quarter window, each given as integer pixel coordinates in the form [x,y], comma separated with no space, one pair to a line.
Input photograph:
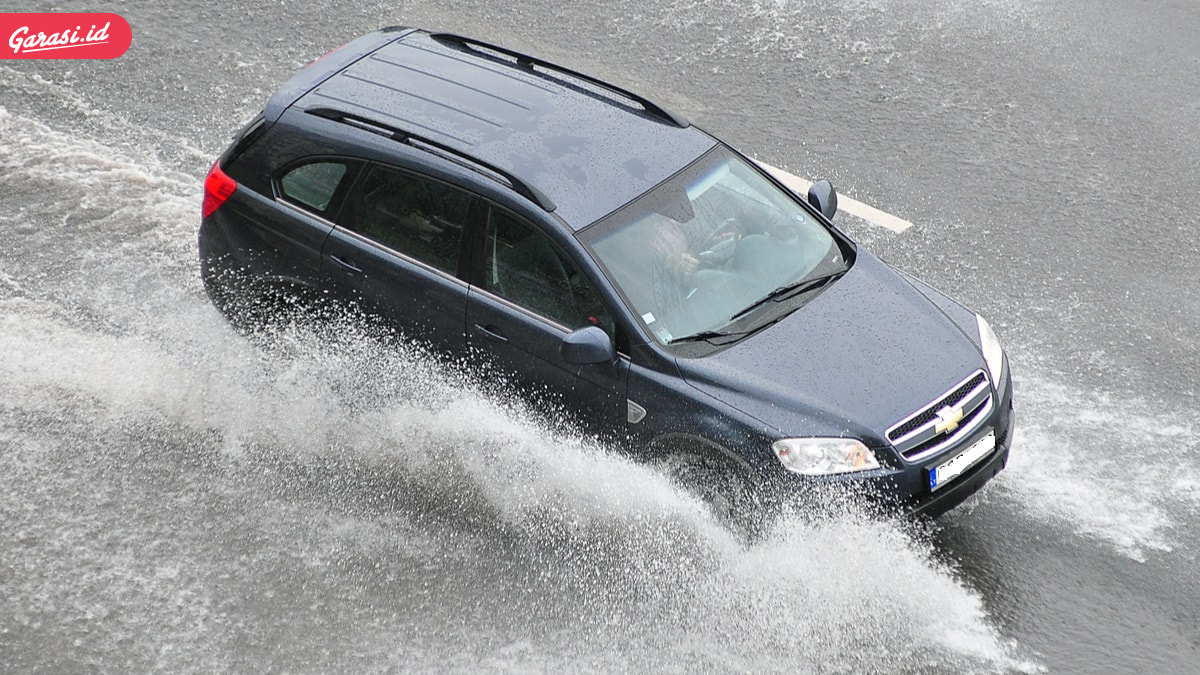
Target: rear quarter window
[313,185]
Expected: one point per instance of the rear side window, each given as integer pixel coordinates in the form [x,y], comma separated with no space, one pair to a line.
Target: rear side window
[418,217]
[313,185]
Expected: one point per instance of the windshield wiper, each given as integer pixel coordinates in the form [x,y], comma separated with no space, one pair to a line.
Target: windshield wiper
[778,295]
[704,335]
[788,290]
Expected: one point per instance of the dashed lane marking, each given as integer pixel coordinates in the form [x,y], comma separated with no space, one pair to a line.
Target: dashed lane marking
[847,204]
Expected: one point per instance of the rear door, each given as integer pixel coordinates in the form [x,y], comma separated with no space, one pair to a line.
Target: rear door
[530,296]
[397,253]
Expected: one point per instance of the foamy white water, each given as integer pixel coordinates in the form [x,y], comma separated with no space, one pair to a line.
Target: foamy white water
[178,497]
[1122,472]
[175,497]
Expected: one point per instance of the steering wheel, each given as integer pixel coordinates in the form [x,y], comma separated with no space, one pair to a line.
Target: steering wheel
[721,244]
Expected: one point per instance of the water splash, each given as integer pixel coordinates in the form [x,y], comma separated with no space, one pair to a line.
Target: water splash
[1118,471]
[178,496]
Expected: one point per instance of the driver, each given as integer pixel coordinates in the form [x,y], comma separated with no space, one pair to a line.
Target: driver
[671,258]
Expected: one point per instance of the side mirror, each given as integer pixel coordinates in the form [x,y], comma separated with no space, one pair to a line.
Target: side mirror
[822,196]
[586,346]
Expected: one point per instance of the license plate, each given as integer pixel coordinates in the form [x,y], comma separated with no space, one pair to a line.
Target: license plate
[944,473]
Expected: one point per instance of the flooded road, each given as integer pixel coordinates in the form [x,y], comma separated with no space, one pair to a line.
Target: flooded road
[175,496]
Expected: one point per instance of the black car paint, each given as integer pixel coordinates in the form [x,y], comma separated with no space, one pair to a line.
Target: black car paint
[855,340]
[822,370]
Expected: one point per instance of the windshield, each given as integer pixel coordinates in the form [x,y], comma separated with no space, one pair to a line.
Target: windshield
[709,247]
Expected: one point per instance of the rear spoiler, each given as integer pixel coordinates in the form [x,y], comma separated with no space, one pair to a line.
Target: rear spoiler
[327,66]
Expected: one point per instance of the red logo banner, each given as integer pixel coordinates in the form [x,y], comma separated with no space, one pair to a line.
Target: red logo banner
[53,35]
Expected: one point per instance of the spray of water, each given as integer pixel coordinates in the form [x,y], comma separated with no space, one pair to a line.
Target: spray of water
[1117,471]
[180,496]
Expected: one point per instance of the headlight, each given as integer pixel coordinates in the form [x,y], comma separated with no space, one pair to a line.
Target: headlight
[993,353]
[823,456]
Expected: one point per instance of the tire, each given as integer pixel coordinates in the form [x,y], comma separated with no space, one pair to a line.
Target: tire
[719,484]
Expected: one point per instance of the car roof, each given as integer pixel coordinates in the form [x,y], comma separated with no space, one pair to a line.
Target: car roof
[587,146]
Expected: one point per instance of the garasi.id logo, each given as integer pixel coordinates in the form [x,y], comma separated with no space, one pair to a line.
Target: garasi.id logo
[55,35]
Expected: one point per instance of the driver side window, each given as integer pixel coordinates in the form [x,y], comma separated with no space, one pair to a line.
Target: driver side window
[524,267]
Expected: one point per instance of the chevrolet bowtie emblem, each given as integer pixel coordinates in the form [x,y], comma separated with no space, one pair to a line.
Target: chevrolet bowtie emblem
[948,419]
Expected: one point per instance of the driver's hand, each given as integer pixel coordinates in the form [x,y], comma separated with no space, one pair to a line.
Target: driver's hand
[686,264]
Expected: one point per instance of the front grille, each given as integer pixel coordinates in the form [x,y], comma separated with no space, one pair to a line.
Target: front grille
[917,437]
[930,413]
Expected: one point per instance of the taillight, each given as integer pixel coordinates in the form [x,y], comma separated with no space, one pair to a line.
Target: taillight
[327,53]
[217,188]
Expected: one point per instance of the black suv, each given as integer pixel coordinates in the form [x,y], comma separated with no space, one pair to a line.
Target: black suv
[613,260]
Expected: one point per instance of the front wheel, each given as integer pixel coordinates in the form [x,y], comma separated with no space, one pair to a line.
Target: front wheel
[719,484]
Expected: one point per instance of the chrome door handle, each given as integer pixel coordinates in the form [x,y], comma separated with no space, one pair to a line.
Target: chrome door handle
[346,263]
[491,331]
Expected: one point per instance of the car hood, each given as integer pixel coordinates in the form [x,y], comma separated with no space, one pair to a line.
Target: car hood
[867,352]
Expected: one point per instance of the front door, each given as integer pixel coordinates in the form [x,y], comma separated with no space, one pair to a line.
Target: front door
[530,298]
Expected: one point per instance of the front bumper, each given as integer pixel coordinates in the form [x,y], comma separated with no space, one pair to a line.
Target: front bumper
[931,504]
[904,489]
[964,486]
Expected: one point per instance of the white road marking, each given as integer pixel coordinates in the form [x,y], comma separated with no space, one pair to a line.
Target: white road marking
[864,211]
